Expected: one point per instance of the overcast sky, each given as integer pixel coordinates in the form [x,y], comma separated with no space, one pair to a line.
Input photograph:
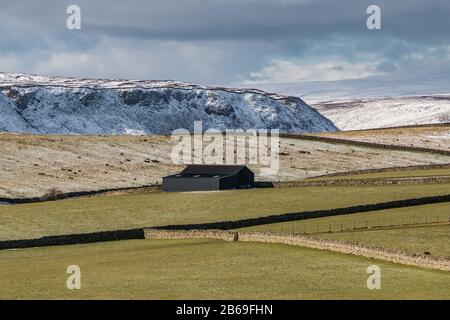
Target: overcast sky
[224,41]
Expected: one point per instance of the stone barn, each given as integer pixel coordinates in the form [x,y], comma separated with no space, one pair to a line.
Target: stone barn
[210,177]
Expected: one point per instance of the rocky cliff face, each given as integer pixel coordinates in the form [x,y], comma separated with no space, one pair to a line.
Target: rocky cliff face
[48,105]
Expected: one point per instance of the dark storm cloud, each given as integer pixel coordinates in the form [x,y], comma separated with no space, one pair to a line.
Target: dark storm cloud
[238,35]
[241,19]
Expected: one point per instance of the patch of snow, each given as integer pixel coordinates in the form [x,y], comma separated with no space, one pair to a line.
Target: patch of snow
[134,132]
[442,136]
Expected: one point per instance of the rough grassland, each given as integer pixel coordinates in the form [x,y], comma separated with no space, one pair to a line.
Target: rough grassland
[433,137]
[32,164]
[157,209]
[432,239]
[203,269]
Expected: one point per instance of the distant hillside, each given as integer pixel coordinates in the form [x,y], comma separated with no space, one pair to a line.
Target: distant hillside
[53,105]
[379,101]
[401,84]
[387,112]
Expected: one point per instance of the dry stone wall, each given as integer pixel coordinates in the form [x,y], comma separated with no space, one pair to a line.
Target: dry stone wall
[395,256]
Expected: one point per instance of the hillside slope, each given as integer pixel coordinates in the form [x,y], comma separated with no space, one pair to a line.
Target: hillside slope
[419,82]
[50,105]
[399,99]
[387,112]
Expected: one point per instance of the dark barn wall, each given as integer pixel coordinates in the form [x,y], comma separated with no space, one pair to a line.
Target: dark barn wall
[245,178]
[229,182]
[210,178]
[172,184]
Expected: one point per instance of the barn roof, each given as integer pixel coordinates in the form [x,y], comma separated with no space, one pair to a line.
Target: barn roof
[212,169]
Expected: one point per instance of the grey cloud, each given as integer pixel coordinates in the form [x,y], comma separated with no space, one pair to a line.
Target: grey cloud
[238,19]
[387,67]
[236,36]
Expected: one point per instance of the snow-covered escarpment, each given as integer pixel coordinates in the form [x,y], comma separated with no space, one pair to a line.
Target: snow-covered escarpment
[54,105]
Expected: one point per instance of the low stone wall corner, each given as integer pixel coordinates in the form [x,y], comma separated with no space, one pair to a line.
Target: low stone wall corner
[150,233]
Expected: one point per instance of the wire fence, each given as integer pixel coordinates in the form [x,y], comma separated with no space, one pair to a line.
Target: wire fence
[361,224]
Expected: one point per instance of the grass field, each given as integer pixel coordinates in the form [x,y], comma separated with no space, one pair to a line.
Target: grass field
[424,214]
[203,269]
[155,209]
[391,174]
[433,239]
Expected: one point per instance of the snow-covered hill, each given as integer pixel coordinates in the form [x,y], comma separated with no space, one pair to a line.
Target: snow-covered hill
[378,101]
[387,112]
[57,105]
[400,84]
